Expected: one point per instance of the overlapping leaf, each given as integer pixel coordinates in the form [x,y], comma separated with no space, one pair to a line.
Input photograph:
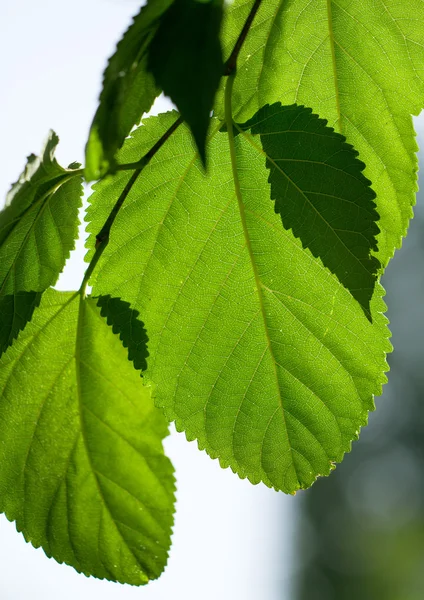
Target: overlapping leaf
[321,194]
[128,91]
[185,58]
[38,228]
[360,65]
[255,348]
[82,469]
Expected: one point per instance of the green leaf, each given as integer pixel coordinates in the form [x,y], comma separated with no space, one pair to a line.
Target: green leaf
[82,469]
[185,58]
[255,348]
[360,65]
[320,192]
[38,229]
[128,91]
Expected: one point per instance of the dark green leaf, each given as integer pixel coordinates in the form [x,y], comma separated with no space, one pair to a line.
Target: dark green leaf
[186,60]
[82,468]
[128,91]
[321,194]
[38,229]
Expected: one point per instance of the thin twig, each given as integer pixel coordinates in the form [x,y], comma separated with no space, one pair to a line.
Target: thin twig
[231,64]
[102,238]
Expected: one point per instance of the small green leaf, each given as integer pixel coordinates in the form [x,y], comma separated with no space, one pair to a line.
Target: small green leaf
[255,348]
[185,58]
[321,194]
[38,229]
[82,468]
[128,91]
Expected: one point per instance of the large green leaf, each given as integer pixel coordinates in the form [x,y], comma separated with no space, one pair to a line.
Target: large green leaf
[128,91]
[185,58]
[38,229]
[360,65]
[255,348]
[320,192]
[82,469]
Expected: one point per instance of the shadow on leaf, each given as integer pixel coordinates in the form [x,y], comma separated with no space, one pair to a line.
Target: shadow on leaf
[124,321]
[321,193]
[16,311]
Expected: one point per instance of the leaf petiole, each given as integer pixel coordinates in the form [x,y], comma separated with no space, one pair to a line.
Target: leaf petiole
[102,238]
[231,64]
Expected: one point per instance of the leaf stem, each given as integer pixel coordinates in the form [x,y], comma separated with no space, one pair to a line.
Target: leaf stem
[231,64]
[102,238]
[140,164]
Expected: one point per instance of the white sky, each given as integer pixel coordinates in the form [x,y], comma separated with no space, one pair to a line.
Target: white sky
[232,540]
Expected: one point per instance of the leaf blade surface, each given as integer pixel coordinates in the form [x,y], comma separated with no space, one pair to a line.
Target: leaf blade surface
[82,466]
[276,394]
[38,228]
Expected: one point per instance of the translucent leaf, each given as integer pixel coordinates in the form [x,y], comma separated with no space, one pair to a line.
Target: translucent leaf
[360,65]
[128,91]
[185,58]
[320,192]
[38,229]
[255,348]
[82,469]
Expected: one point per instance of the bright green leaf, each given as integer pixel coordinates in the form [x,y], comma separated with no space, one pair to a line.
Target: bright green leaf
[186,60]
[82,469]
[38,229]
[360,65]
[128,91]
[255,348]
[320,192]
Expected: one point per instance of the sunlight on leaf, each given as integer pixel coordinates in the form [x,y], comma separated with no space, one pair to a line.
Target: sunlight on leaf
[360,66]
[38,228]
[269,363]
[128,91]
[82,468]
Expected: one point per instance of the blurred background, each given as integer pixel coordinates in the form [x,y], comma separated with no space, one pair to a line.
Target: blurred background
[356,535]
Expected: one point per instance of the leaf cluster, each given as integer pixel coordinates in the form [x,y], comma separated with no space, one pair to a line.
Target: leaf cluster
[234,256]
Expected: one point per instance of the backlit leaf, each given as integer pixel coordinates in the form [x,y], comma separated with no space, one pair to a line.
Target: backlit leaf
[359,65]
[82,468]
[128,91]
[38,228]
[255,348]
